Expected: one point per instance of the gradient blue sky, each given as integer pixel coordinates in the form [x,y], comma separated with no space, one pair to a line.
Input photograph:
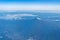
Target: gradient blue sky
[29,4]
[29,0]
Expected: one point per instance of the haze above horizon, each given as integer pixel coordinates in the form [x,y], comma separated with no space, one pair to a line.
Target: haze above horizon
[29,5]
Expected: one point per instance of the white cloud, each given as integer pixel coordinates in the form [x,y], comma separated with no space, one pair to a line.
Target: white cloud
[39,18]
[54,20]
[30,38]
[17,16]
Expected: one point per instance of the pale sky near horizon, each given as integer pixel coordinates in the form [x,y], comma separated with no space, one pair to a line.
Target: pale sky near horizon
[29,5]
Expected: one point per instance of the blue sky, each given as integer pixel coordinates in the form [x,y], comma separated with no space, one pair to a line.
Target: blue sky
[29,0]
[29,4]
[44,1]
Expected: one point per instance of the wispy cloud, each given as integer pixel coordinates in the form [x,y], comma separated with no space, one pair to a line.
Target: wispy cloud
[17,16]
